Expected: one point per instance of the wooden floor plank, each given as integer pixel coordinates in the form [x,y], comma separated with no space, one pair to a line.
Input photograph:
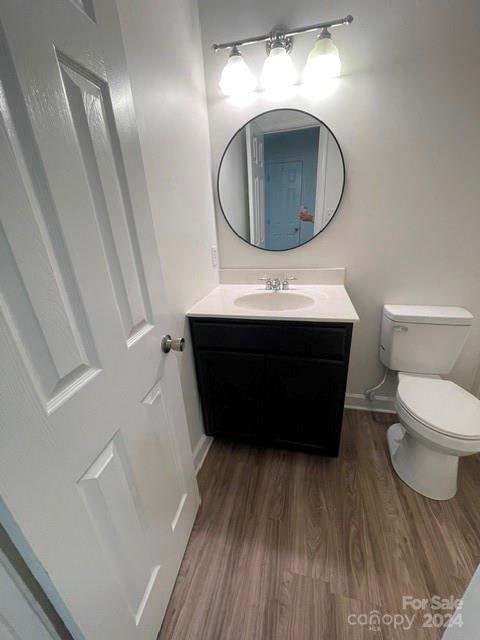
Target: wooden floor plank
[292,546]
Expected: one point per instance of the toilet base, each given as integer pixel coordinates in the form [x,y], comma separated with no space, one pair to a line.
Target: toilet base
[429,472]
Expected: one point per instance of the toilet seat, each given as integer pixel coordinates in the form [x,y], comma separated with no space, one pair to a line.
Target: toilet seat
[440,405]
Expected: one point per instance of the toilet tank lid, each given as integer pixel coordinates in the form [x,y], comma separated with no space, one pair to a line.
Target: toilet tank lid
[424,314]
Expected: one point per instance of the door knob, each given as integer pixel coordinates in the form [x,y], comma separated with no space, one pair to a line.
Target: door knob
[175,344]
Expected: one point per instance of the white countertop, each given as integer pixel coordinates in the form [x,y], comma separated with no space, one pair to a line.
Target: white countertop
[331,303]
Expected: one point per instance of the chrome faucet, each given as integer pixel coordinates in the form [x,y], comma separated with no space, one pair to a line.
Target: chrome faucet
[271,284]
[276,284]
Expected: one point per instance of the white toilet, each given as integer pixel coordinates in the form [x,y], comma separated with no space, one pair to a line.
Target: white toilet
[439,421]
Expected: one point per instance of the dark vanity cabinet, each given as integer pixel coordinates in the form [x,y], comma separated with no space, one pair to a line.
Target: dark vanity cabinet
[275,383]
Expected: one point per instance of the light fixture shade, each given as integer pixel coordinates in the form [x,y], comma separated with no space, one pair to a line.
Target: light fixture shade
[323,62]
[236,78]
[278,70]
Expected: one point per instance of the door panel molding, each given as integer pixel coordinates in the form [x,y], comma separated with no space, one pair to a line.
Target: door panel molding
[113,502]
[92,116]
[51,330]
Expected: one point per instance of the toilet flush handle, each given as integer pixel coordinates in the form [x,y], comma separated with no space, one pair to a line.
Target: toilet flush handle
[400,327]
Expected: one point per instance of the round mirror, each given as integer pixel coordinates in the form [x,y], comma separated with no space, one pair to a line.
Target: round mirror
[281,179]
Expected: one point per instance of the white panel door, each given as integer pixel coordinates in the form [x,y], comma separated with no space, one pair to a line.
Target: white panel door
[101,484]
[256,184]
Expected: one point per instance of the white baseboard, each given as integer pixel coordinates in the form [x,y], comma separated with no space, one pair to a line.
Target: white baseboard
[383,404]
[201,451]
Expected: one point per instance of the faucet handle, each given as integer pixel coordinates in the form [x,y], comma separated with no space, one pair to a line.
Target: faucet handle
[287,280]
[267,280]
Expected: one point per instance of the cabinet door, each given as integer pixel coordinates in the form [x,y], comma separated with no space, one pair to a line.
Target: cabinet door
[232,389]
[306,402]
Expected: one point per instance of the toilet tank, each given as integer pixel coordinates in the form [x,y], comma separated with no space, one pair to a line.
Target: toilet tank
[423,339]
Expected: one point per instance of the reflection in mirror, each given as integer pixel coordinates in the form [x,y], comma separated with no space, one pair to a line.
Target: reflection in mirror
[281,179]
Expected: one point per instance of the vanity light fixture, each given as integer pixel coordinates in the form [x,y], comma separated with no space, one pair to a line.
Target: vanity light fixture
[278,72]
[323,60]
[236,78]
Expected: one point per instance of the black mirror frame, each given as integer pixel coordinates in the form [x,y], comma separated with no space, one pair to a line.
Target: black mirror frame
[321,122]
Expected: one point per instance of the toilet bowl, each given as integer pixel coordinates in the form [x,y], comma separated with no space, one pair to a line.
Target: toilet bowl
[439,423]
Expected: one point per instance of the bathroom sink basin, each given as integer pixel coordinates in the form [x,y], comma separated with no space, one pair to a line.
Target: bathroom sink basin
[274,301]
[308,303]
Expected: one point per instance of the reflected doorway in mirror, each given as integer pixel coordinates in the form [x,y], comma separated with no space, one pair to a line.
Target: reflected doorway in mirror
[281,179]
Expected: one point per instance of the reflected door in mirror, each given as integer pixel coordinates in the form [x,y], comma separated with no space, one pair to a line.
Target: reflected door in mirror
[281,179]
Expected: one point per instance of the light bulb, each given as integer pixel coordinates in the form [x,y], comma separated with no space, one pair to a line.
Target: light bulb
[278,70]
[323,61]
[237,79]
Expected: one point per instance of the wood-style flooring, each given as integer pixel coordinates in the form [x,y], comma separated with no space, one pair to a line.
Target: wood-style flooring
[292,546]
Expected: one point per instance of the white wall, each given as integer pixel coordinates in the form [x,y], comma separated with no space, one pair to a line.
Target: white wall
[406,113]
[233,185]
[164,56]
